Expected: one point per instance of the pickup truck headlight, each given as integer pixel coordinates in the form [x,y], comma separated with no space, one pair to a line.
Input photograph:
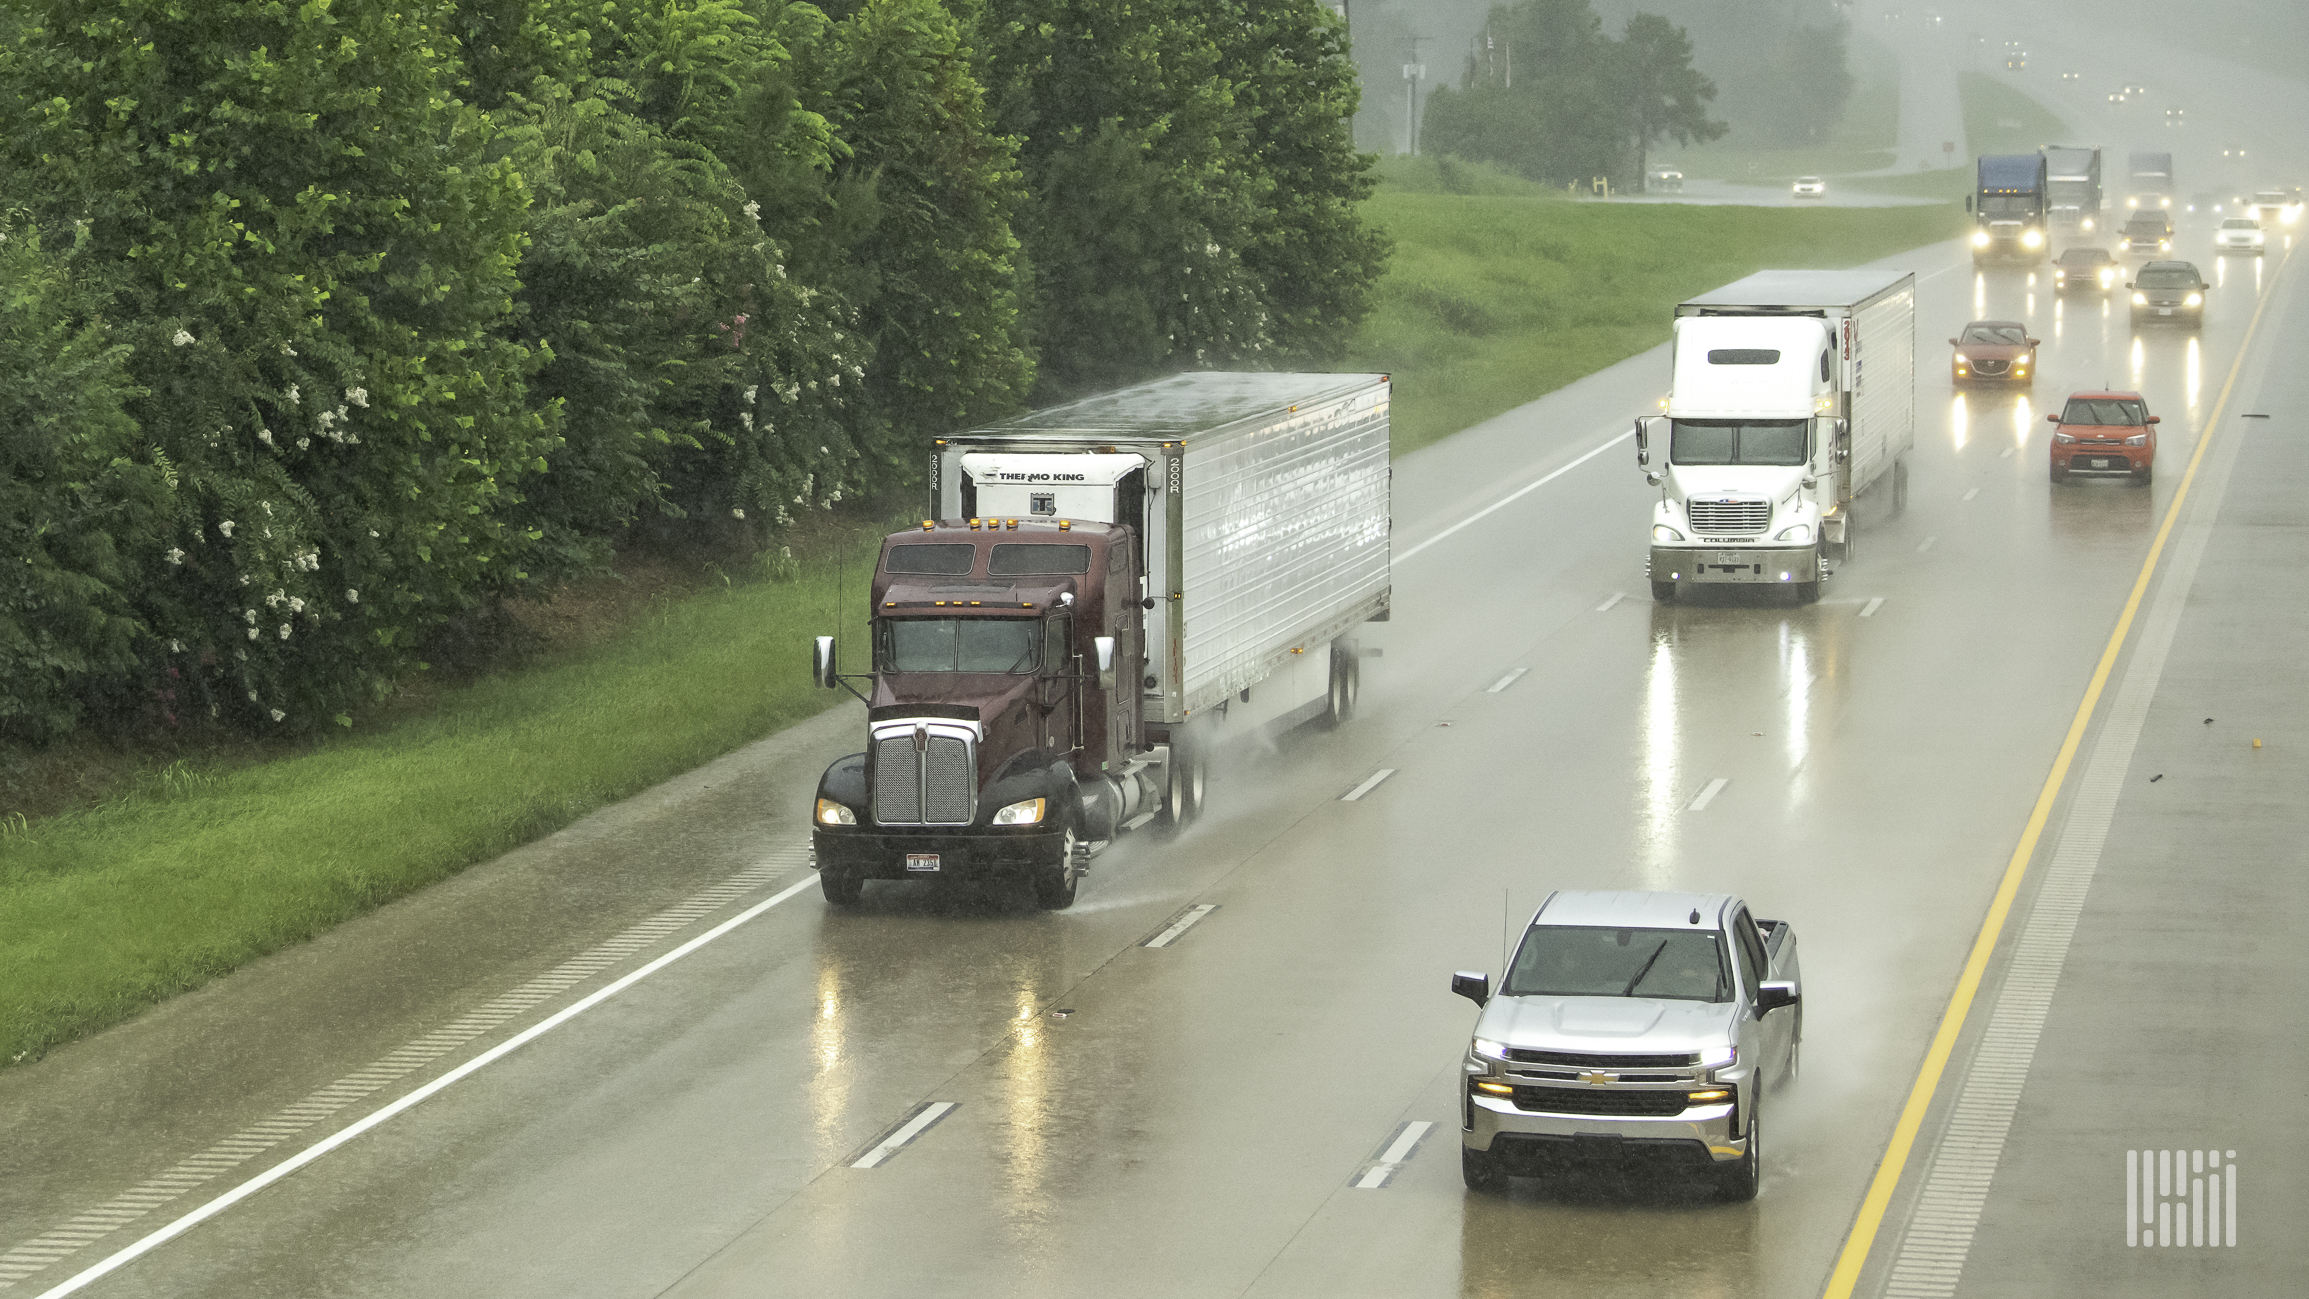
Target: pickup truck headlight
[1802,532]
[2137,440]
[1489,1050]
[1024,812]
[833,813]
[2195,300]
[1662,532]
[2140,299]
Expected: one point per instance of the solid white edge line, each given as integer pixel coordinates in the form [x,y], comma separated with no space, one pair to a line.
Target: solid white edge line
[1519,493]
[930,1113]
[1708,794]
[1182,924]
[1370,783]
[1869,611]
[343,1135]
[1504,682]
[1616,597]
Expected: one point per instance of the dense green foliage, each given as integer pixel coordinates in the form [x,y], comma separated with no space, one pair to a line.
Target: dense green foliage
[365,316]
[1576,103]
[1781,65]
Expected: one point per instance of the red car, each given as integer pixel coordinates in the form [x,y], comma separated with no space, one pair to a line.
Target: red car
[2104,433]
[1992,351]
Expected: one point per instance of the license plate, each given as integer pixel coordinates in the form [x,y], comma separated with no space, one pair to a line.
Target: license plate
[921,861]
[2164,311]
[2097,464]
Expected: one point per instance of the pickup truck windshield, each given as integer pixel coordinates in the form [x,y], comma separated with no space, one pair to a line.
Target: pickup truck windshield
[1580,961]
[957,645]
[1734,442]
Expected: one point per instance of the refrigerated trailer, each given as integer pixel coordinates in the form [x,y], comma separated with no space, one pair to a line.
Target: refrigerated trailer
[1103,592]
[1792,393]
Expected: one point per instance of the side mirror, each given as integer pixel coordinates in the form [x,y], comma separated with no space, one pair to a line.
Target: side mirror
[2035,342]
[2154,419]
[822,664]
[2128,284]
[1475,987]
[2053,418]
[1643,432]
[1954,343]
[1104,647]
[1774,994]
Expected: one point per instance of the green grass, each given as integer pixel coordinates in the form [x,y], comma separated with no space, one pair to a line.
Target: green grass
[1492,302]
[107,911]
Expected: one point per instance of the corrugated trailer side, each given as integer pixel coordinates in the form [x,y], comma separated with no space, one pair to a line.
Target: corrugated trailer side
[1883,381]
[1283,538]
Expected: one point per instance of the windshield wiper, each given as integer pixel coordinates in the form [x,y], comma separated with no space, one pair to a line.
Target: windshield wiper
[1630,990]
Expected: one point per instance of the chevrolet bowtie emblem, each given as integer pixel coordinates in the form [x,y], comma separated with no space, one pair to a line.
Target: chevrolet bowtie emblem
[1596,1079]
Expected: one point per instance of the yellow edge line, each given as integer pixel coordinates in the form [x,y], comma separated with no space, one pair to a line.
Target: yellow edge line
[1846,1273]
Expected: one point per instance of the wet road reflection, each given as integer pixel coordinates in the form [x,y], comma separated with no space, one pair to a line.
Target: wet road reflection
[1602,1238]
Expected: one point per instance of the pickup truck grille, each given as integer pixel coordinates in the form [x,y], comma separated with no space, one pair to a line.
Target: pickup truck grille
[1626,1103]
[930,786]
[1729,518]
[1589,1060]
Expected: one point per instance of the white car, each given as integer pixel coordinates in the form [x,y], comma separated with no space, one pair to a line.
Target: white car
[1809,187]
[2239,235]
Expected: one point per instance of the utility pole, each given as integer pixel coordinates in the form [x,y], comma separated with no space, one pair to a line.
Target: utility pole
[1414,73]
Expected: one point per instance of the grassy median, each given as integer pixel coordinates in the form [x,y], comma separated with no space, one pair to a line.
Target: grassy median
[1499,293]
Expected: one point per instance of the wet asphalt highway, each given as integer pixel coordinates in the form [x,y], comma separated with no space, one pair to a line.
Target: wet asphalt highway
[1193,1124]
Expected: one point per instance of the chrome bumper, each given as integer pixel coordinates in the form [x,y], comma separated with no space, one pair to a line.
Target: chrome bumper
[1735,564]
[1708,1126]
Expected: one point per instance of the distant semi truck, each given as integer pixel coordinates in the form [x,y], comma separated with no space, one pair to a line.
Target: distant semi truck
[1792,393]
[2073,186]
[2009,209]
[1103,591]
[2149,180]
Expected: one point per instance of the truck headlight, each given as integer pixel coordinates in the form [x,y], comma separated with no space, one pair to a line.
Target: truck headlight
[833,813]
[2088,223]
[1800,533]
[2137,440]
[1024,812]
[2140,299]
[2032,239]
[1980,239]
[1662,532]
[1489,1049]
[2195,300]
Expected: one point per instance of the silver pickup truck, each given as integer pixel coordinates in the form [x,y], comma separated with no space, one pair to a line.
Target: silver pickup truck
[1631,1024]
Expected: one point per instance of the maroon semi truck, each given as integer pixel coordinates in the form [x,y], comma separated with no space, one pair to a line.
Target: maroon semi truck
[1105,591]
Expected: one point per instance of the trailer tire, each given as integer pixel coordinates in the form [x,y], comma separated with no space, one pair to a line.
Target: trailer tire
[1346,683]
[841,888]
[1184,778]
[1054,884]
[1664,592]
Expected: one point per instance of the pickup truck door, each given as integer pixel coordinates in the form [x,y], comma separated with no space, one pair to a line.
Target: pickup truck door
[1776,1030]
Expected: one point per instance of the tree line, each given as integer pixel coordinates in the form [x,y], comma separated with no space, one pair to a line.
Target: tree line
[325,326]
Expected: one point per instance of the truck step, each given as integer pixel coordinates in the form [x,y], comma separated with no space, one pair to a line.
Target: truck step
[1137,821]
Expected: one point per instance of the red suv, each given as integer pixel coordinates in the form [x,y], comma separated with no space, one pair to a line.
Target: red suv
[2104,433]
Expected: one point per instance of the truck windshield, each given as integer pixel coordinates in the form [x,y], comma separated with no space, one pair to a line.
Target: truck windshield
[1584,961]
[2008,205]
[1737,442]
[957,645]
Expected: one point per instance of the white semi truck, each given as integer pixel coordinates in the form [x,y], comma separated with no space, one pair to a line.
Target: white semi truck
[1792,393]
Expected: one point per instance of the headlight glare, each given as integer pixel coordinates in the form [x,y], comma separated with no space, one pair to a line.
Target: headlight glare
[2195,300]
[2140,299]
[2032,239]
[1026,811]
[833,813]
[1490,1050]
[1980,239]
[1662,532]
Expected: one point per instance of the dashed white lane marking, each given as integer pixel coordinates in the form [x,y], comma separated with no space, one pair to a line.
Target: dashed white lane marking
[1521,492]
[1971,492]
[1708,794]
[1186,920]
[1392,1156]
[1616,597]
[1938,1237]
[1926,544]
[2005,454]
[228,1154]
[1370,783]
[1869,609]
[913,1125]
[1505,681]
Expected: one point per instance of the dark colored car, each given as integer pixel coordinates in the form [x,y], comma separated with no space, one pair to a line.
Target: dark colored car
[2107,433]
[2149,231]
[1993,351]
[2169,293]
[2087,269]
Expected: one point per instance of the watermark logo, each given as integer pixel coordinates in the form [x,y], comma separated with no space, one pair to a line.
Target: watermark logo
[2181,1198]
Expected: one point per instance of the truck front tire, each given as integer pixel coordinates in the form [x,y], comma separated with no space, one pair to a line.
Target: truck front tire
[1737,1181]
[1054,884]
[1664,592]
[1481,1172]
[841,889]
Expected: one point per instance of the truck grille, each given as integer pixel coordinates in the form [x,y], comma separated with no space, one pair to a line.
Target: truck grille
[1589,1060]
[933,785]
[1730,518]
[1601,1101]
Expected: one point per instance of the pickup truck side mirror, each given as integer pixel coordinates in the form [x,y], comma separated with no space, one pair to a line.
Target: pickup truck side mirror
[1104,646]
[1473,986]
[822,664]
[1775,993]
